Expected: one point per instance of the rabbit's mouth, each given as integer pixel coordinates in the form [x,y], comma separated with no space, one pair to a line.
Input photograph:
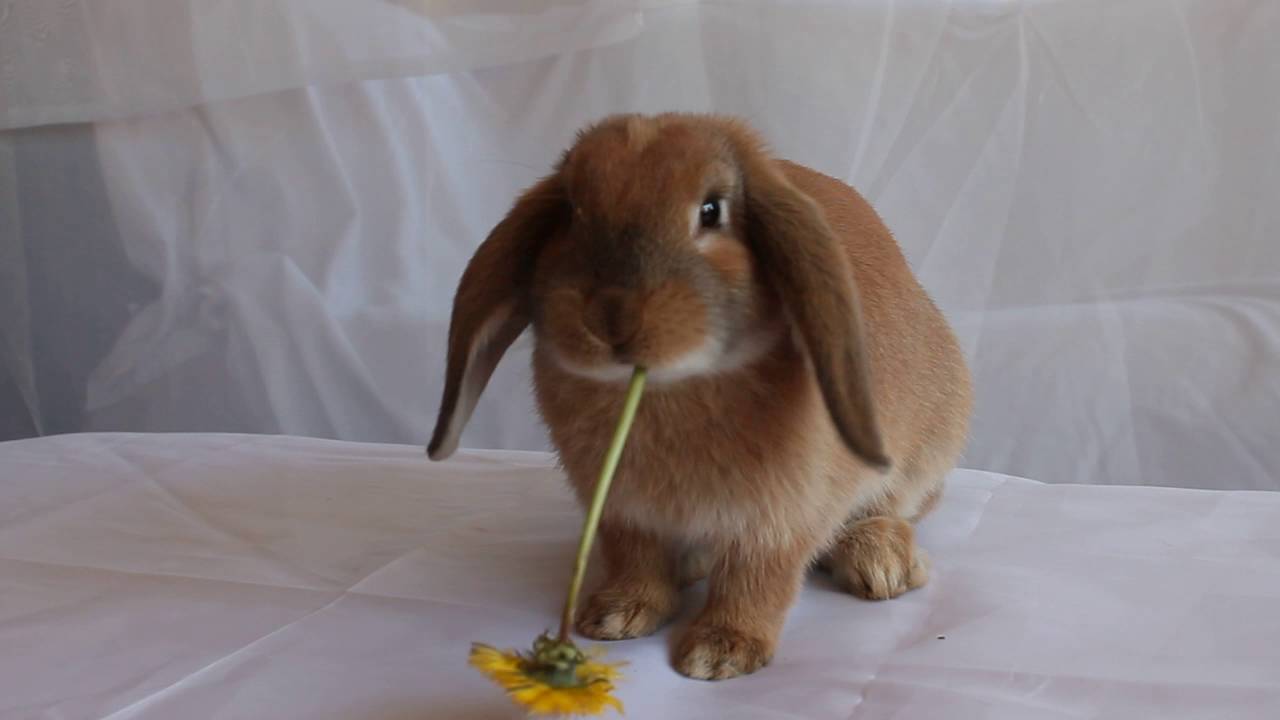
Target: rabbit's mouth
[713,356]
[702,360]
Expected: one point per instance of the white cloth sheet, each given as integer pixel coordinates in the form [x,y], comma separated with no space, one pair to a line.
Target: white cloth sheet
[222,576]
[258,221]
[82,61]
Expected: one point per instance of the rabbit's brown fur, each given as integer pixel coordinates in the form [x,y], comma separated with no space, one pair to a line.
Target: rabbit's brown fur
[807,398]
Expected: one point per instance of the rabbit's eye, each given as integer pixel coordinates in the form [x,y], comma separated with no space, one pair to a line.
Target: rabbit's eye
[709,215]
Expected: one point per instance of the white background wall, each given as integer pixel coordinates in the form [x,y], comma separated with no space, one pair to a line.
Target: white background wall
[251,216]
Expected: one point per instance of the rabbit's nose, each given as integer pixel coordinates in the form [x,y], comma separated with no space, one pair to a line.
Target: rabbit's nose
[613,316]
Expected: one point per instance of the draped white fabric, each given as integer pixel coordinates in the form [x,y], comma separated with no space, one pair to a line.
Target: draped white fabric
[77,61]
[154,577]
[258,216]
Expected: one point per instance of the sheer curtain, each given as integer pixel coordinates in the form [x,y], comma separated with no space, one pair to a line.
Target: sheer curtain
[251,216]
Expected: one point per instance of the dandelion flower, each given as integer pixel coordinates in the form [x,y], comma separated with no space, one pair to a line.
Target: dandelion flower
[557,678]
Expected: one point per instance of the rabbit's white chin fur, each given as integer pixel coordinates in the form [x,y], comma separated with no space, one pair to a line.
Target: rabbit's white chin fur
[701,361]
[709,358]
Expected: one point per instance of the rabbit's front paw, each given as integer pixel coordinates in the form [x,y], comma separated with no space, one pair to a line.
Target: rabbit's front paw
[877,559]
[708,652]
[625,611]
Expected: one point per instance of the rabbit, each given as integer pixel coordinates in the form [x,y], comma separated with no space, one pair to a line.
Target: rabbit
[805,396]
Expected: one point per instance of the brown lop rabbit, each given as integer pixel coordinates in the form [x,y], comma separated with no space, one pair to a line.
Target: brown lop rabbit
[805,399]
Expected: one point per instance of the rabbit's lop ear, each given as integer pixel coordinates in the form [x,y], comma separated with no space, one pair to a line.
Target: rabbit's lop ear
[492,305]
[802,259]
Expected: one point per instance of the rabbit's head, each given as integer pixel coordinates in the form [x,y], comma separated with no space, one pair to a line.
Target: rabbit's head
[672,242]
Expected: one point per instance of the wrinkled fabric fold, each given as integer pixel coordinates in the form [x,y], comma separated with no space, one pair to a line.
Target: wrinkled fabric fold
[321,579]
[78,62]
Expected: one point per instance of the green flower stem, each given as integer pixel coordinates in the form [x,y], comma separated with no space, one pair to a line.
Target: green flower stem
[597,499]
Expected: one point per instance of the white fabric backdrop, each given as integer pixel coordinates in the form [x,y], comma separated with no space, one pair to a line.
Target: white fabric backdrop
[262,219]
